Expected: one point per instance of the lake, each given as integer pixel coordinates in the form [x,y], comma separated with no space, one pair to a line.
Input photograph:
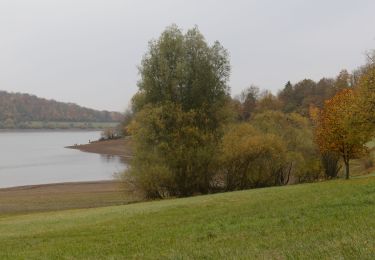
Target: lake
[39,157]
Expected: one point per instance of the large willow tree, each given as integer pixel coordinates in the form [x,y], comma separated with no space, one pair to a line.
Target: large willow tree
[180,109]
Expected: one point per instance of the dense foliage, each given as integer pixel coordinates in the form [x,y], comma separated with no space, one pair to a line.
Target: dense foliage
[17,110]
[252,159]
[301,156]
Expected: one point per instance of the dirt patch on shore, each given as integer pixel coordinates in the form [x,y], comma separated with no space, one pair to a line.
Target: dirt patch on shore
[61,196]
[119,147]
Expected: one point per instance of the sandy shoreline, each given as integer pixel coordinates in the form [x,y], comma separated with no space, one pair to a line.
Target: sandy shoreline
[118,147]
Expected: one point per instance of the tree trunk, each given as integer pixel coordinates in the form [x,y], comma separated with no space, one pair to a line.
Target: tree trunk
[347,169]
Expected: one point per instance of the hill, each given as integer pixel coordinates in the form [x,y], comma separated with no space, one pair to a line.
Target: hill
[27,111]
[322,220]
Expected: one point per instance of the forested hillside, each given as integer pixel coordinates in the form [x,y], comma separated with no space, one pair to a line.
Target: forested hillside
[23,111]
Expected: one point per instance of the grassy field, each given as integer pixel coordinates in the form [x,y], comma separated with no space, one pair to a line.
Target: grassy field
[333,219]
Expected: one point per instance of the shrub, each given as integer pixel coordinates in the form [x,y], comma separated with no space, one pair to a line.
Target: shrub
[296,132]
[251,159]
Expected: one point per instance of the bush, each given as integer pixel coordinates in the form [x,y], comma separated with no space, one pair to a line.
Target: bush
[296,132]
[110,133]
[251,159]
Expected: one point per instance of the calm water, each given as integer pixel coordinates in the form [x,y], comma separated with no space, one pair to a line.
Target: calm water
[29,157]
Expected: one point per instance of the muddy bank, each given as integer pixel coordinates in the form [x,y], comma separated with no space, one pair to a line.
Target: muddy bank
[119,147]
[60,196]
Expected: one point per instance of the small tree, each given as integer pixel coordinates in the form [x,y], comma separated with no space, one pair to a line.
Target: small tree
[110,133]
[268,101]
[247,102]
[339,127]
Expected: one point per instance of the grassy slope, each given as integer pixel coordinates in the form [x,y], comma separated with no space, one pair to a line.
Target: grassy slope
[331,219]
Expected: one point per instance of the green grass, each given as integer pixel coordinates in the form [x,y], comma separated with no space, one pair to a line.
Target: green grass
[333,219]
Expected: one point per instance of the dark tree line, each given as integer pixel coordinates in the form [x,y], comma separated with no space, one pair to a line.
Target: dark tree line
[16,108]
[293,98]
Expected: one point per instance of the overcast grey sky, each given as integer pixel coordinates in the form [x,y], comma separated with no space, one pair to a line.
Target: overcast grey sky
[87,51]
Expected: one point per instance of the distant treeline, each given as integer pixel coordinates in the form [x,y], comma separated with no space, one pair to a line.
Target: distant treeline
[23,110]
[293,98]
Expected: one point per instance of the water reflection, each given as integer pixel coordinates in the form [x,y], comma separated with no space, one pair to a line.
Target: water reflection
[114,159]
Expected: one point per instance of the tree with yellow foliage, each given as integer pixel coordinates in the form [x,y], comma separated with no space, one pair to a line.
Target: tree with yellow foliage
[340,127]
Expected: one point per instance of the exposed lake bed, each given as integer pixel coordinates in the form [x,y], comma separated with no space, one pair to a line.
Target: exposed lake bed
[60,196]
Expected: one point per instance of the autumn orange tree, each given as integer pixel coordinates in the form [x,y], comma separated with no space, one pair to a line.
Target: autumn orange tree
[340,127]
